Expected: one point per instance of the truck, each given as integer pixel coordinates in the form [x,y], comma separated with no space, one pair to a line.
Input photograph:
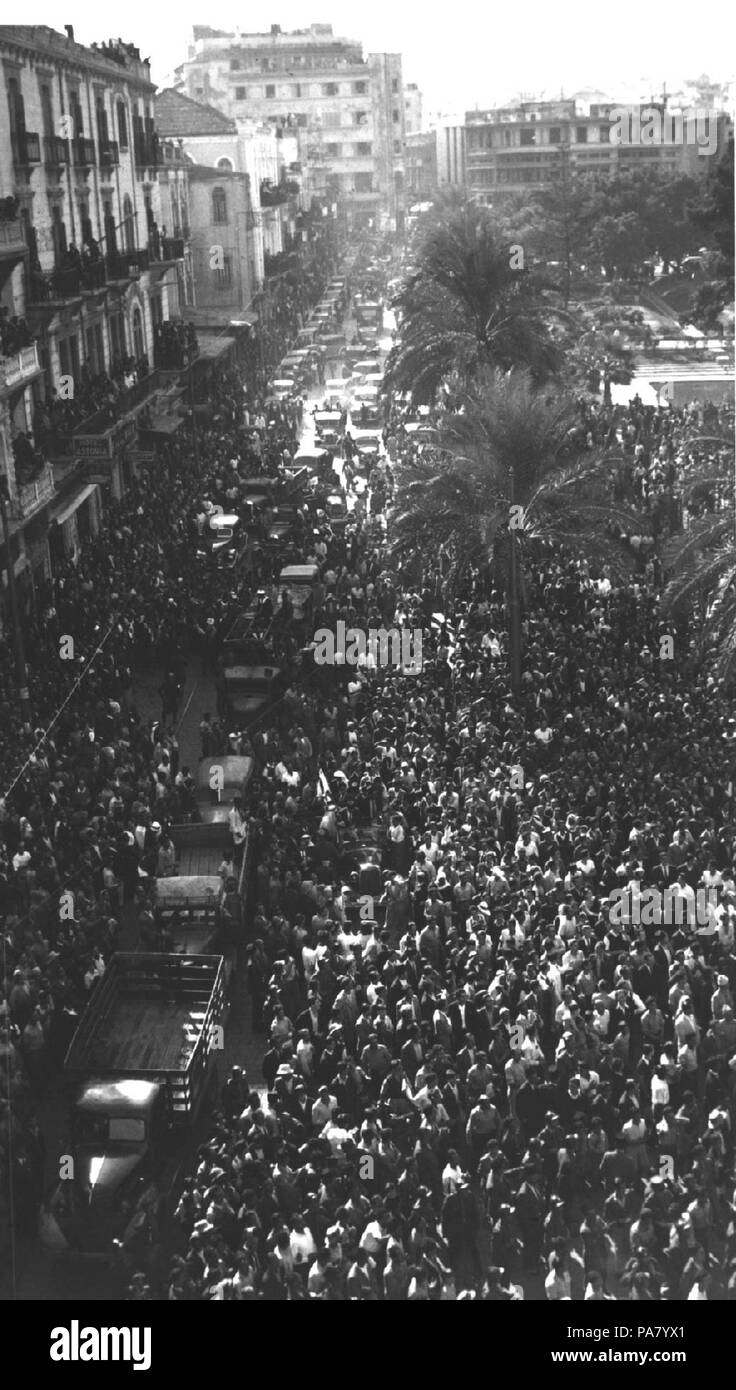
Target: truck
[199,913]
[139,1068]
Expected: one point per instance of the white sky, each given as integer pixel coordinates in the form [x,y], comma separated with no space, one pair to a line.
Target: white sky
[463,53]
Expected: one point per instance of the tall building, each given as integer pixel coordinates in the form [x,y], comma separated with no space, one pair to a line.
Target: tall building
[413,109]
[346,110]
[512,149]
[451,151]
[86,273]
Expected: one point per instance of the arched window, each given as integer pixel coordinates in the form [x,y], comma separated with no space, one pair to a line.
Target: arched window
[225,163]
[138,343]
[128,224]
[122,126]
[219,205]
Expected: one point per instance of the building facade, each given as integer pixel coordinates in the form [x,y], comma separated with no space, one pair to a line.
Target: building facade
[346,110]
[257,152]
[450,138]
[512,149]
[87,276]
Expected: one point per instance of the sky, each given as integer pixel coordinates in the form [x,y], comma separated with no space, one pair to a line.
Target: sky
[464,54]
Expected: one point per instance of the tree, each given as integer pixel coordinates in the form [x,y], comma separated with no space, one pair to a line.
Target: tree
[511,469]
[470,304]
[715,221]
[702,561]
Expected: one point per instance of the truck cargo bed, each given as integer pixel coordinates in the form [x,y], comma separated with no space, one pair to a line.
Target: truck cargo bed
[149,1014]
[145,1035]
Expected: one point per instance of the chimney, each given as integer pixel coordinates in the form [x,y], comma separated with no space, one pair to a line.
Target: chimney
[69,32]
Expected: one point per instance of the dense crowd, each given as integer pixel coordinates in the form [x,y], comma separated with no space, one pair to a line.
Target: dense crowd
[481,1081]
[85,785]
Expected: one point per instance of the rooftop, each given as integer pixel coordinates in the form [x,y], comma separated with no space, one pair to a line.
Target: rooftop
[179,116]
[107,58]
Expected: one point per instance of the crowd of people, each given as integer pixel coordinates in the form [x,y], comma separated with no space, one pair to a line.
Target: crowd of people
[479,1080]
[87,780]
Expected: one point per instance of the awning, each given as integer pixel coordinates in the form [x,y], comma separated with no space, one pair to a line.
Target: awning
[210,348]
[74,505]
[164,425]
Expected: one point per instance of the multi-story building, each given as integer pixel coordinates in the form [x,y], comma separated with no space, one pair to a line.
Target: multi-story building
[222,244]
[85,266]
[421,166]
[413,109]
[450,139]
[254,151]
[511,149]
[346,109]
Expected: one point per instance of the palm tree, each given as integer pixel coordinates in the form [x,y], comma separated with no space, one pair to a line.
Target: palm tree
[510,470]
[469,304]
[702,561]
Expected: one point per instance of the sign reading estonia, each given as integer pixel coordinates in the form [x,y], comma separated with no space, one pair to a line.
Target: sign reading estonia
[103,446]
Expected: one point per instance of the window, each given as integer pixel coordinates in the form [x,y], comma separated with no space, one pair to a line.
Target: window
[363,183]
[360,89]
[225,163]
[360,118]
[296,90]
[332,151]
[240,93]
[364,147]
[270,90]
[555,135]
[219,205]
[234,64]
[396,115]
[605,134]
[301,121]
[128,224]
[224,273]
[122,126]
[397,147]
[138,342]
[47,111]
[329,89]
[394,84]
[581,134]
[528,137]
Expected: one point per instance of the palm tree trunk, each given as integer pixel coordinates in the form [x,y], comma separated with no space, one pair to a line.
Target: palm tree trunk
[514,606]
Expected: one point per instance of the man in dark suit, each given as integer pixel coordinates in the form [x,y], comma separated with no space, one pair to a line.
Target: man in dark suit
[460,1223]
[412,1054]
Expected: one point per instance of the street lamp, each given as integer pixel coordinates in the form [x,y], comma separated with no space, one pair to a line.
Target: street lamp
[20,659]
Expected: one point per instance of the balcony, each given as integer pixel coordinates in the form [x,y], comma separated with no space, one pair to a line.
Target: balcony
[26,147]
[127,265]
[66,283]
[55,152]
[19,369]
[109,154]
[273,195]
[84,153]
[31,496]
[172,248]
[146,151]
[12,241]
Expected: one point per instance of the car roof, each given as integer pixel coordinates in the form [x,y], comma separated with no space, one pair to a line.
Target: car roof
[299,572]
[235,770]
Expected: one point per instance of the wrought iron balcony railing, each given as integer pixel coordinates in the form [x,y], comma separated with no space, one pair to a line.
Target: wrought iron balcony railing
[26,146]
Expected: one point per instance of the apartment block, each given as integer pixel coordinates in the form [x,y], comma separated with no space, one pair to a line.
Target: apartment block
[512,149]
[346,110]
[85,264]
